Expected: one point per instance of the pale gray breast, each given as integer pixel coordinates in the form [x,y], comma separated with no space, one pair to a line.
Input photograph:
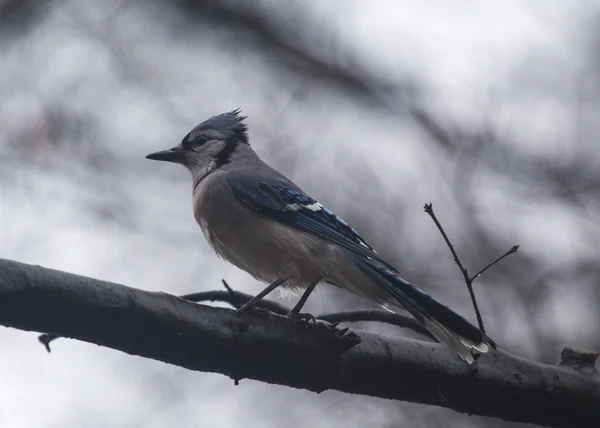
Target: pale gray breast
[263,247]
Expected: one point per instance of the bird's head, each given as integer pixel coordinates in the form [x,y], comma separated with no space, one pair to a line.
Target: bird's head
[209,145]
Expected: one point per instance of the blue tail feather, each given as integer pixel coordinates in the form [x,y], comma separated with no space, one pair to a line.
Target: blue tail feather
[421,305]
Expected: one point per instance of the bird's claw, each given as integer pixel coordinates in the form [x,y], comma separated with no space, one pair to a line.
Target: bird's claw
[339,332]
[306,317]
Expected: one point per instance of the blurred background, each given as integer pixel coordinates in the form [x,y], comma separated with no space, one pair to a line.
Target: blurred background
[486,109]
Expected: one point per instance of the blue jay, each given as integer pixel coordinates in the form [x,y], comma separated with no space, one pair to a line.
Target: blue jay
[260,221]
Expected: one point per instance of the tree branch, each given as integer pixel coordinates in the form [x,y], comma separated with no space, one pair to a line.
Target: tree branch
[275,349]
[237,299]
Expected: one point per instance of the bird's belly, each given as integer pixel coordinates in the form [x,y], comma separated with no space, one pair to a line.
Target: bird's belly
[271,251]
[263,247]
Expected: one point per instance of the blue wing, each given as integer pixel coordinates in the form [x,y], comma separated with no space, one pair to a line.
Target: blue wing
[283,201]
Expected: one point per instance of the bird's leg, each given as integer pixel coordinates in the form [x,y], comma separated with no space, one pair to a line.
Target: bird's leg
[250,303]
[295,312]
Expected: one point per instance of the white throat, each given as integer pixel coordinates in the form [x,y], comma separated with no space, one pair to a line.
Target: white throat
[200,172]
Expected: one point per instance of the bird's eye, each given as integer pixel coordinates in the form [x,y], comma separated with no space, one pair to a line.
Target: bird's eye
[189,143]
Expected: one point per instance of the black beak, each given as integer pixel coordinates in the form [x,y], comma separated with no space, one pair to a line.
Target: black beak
[172,155]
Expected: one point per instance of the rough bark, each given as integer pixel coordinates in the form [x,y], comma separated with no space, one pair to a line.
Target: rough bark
[274,349]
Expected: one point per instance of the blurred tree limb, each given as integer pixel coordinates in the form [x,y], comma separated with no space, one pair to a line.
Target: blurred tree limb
[274,349]
[286,43]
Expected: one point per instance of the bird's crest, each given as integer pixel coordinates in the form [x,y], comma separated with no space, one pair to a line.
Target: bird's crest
[225,126]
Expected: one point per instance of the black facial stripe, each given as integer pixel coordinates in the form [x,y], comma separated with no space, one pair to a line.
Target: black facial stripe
[222,157]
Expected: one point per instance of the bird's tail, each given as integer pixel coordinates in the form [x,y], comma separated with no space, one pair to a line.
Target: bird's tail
[445,325]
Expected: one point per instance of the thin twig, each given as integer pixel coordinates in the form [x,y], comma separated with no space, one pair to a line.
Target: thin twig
[226,285]
[235,299]
[429,210]
[468,279]
[514,249]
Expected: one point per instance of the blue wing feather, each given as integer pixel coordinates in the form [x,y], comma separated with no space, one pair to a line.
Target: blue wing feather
[313,214]
[281,200]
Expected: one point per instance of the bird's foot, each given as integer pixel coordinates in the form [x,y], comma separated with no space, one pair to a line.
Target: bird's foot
[305,317]
[339,332]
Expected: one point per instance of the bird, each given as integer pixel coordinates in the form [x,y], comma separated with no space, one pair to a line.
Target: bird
[260,221]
